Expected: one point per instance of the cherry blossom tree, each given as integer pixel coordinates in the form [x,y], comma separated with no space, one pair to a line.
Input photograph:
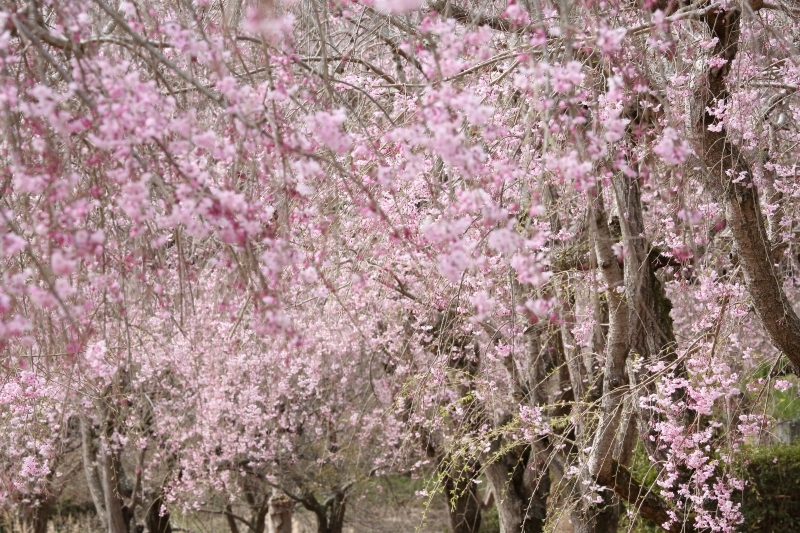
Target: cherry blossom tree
[257,250]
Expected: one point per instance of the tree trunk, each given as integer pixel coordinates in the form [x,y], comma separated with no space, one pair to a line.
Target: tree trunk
[90,469]
[463,503]
[103,474]
[34,520]
[109,479]
[280,514]
[742,210]
[258,518]
[330,515]
[624,332]
[155,521]
[615,379]
[230,519]
[520,492]
[600,517]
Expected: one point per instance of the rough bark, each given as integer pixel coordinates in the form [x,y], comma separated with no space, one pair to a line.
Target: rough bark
[330,513]
[650,327]
[587,515]
[104,475]
[753,248]
[90,469]
[614,376]
[772,196]
[650,324]
[725,163]
[600,517]
[280,514]
[521,486]
[109,477]
[628,435]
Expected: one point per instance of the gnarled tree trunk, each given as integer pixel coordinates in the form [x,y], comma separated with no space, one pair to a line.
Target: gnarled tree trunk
[280,514]
[330,513]
[724,162]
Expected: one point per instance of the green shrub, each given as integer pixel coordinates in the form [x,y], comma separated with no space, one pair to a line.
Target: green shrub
[490,520]
[771,500]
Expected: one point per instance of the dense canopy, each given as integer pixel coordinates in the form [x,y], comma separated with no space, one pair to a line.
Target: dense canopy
[256,254]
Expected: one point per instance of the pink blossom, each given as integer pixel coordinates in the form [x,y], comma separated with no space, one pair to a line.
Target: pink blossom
[397,6]
[532,422]
[671,148]
[453,264]
[98,360]
[61,264]
[783,385]
[610,40]
[504,240]
[327,126]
